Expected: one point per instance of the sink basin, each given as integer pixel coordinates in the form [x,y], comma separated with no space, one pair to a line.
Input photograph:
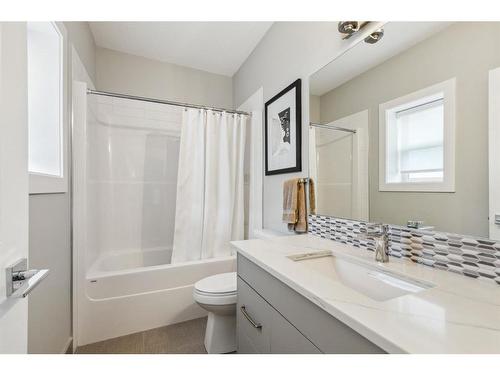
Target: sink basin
[369,280]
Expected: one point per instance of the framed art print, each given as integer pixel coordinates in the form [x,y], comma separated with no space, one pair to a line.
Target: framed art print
[283,117]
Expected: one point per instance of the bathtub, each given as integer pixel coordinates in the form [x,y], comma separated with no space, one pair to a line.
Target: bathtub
[132,291]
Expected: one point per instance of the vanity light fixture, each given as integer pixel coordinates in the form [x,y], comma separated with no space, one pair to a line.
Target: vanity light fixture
[375,36]
[349,28]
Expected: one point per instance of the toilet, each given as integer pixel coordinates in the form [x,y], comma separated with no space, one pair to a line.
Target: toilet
[217,294]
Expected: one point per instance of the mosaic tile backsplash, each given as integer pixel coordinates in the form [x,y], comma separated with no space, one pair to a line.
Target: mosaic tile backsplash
[468,256]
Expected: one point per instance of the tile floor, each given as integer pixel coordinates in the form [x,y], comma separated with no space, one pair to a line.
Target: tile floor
[182,338]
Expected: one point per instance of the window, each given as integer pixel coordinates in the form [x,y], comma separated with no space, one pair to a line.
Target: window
[417,141]
[46,108]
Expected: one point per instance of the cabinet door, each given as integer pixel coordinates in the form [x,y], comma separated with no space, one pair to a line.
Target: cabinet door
[286,339]
[254,319]
[245,345]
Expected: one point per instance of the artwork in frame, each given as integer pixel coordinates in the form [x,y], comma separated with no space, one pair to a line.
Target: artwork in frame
[283,117]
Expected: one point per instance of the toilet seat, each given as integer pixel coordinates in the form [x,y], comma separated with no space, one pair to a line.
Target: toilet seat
[216,290]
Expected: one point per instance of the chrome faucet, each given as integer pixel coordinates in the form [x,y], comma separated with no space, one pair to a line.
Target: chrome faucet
[381,237]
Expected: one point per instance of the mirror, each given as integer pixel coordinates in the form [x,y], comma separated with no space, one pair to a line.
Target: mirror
[399,128]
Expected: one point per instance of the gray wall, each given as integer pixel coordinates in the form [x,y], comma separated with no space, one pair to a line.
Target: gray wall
[134,75]
[466,51]
[288,51]
[49,315]
[80,35]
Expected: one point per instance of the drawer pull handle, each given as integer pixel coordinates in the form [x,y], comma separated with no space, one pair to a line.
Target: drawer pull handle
[249,318]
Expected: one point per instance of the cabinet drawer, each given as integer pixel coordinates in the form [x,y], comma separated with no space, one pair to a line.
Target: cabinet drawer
[254,319]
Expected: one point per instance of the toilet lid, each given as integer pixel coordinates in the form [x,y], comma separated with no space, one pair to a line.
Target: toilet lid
[223,283]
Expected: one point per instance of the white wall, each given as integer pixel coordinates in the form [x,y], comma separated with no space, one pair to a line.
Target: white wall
[80,71]
[83,41]
[288,51]
[128,74]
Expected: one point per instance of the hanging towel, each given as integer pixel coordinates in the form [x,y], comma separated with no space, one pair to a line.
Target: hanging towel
[295,203]
[290,202]
[301,225]
[312,197]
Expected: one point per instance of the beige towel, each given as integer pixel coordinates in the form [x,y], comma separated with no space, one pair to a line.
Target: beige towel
[301,225]
[295,204]
[312,197]
[290,201]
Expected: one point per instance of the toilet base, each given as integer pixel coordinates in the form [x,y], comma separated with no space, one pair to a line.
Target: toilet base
[220,334]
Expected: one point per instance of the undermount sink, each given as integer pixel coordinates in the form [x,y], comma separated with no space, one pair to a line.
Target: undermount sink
[369,280]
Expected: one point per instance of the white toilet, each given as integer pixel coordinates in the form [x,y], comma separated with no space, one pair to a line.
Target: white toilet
[217,294]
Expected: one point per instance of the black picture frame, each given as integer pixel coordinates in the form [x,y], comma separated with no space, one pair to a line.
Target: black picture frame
[297,85]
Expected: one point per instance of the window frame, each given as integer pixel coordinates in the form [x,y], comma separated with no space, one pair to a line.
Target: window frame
[49,184]
[387,112]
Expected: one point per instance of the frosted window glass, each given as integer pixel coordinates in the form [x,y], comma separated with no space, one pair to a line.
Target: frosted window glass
[416,143]
[44,99]
[420,138]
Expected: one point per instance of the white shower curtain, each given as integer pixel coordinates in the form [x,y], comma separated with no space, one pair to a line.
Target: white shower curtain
[210,195]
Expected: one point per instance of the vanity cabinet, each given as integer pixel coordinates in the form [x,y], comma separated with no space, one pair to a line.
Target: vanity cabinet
[262,329]
[273,318]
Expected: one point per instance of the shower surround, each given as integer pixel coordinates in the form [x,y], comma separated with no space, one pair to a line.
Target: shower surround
[125,168]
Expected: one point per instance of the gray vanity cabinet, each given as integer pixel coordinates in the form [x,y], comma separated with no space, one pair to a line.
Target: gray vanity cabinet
[262,329]
[286,339]
[273,318]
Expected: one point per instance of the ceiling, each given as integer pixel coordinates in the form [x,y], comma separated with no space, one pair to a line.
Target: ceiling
[216,47]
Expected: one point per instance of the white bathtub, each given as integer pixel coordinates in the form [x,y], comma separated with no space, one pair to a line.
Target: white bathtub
[128,292]
[130,260]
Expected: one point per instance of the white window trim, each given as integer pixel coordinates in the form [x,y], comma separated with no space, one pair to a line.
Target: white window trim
[47,184]
[447,89]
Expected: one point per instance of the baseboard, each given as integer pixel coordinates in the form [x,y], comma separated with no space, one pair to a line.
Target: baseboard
[68,348]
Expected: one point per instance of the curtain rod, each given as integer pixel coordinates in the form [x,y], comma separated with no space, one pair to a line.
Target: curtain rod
[159,101]
[332,127]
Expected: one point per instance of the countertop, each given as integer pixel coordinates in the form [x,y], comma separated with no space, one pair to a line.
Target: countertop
[458,315]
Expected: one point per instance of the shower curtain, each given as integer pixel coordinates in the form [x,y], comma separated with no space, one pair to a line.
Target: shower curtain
[210,195]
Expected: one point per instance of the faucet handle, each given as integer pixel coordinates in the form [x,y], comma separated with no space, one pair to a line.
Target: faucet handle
[381,237]
[374,230]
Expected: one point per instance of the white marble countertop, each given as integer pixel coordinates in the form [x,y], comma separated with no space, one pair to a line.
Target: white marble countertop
[458,315]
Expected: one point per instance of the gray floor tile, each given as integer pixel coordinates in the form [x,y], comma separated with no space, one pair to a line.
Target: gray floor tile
[181,338]
[129,344]
[176,338]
